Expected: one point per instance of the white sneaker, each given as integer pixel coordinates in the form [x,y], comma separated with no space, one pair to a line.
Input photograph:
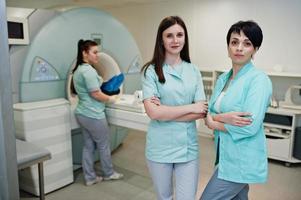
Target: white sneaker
[114,176]
[96,180]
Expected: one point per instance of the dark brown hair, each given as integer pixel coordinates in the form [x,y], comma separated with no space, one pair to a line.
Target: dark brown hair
[250,28]
[82,46]
[159,51]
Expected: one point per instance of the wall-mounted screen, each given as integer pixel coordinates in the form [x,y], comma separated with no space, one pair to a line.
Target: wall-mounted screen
[17,31]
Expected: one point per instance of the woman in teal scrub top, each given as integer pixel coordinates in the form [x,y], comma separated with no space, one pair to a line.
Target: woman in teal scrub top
[236,112]
[173,98]
[90,113]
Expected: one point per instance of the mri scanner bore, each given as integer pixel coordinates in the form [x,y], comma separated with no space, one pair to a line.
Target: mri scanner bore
[43,87]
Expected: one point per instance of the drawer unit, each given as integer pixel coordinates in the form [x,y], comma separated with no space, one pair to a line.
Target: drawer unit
[280,125]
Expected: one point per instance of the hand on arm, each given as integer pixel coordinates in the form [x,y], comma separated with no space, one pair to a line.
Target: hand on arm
[234,118]
[155,100]
[217,121]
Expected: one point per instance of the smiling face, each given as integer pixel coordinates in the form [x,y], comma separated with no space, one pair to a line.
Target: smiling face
[91,56]
[173,40]
[240,49]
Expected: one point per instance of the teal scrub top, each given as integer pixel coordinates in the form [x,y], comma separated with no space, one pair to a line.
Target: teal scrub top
[242,150]
[171,141]
[86,80]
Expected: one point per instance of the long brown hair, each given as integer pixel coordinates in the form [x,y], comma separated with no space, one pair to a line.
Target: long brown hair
[82,46]
[159,51]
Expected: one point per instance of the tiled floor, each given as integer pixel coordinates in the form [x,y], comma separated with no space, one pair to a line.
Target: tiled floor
[284,182]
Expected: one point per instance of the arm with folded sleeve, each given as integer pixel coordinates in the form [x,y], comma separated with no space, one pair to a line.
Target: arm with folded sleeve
[237,124]
[157,111]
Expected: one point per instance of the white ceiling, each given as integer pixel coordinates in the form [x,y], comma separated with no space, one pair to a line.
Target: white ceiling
[59,4]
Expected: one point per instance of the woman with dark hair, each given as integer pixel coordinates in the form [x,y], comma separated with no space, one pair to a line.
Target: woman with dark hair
[173,98]
[236,112]
[90,113]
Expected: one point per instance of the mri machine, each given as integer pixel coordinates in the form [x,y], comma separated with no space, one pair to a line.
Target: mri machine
[43,104]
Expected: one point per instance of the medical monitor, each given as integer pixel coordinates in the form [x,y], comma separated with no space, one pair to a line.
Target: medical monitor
[17,31]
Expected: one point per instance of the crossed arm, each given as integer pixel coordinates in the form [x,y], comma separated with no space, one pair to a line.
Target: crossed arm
[216,122]
[155,110]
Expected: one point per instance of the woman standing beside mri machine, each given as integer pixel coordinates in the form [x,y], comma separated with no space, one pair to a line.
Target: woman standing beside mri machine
[90,113]
[173,98]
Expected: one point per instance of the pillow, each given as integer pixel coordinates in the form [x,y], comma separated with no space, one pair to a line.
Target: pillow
[111,87]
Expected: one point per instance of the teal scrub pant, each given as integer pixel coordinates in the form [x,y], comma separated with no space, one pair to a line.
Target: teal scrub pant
[218,189]
[185,174]
[96,135]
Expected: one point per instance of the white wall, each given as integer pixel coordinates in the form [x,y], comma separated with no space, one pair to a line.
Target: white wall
[208,22]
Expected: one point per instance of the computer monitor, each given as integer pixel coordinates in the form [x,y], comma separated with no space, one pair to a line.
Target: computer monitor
[17,31]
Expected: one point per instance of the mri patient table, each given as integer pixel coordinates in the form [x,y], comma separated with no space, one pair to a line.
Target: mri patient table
[128,113]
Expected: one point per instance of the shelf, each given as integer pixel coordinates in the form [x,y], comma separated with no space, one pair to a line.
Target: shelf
[283,74]
[207,78]
[269,73]
[283,111]
[277,126]
[277,135]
